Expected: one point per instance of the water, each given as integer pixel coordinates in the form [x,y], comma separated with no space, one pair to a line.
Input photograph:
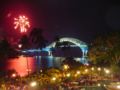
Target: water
[22,64]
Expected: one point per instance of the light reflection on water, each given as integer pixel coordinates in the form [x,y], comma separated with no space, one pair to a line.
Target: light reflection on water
[20,65]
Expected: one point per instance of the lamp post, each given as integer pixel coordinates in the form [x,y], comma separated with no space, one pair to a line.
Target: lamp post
[28,70]
[107,72]
[92,69]
[65,68]
[99,72]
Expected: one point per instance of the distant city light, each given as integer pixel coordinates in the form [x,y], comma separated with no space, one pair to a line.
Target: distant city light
[22,23]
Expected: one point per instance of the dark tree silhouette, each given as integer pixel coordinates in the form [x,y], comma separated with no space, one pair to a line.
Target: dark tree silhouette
[57,41]
[6,50]
[37,38]
[25,42]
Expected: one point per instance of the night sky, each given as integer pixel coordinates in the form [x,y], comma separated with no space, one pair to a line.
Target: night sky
[82,19]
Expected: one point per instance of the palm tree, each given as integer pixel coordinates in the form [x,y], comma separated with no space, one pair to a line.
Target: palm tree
[25,42]
[57,41]
[38,41]
[37,38]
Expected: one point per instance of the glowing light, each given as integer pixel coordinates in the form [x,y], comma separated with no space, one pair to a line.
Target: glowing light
[104,85]
[20,65]
[78,72]
[99,69]
[68,74]
[107,71]
[92,68]
[33,84]
[98,84]
[53,78]
[13,75]
[20,45]
[118,86]
[65,67]
[22,23]
[86,70]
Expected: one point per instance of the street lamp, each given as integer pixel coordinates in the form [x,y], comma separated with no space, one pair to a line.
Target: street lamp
[98,84]
[92,68]
[78,72]
[107,71]
[99,69]
[86,70]
[41,70]
[33,84]
[14,75]
[20,46]
[53,79]
[92,72]
[99,72]
[118,87]
[68,74]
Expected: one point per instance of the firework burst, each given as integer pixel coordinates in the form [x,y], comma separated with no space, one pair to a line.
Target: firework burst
[22,23]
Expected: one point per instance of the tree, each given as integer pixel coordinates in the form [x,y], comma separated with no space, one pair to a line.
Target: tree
[105,49]
[53,72]
[38,41]
[37,38]
[24,41]
[6,50]
[57,41]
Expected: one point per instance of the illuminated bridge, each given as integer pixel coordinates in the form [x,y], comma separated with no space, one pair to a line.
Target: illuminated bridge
[82,46]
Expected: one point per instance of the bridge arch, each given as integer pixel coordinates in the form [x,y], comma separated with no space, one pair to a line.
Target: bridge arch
[82,45]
